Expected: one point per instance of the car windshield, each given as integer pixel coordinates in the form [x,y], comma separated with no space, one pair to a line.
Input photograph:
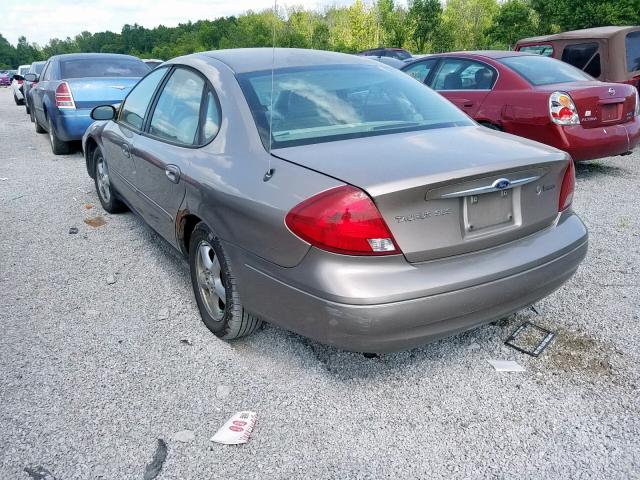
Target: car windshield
[337,102]
[103,67]
[539,70]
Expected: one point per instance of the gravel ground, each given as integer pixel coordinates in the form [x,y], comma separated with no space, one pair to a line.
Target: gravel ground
[93,374]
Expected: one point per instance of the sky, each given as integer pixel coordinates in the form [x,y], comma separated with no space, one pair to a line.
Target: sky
[41,20]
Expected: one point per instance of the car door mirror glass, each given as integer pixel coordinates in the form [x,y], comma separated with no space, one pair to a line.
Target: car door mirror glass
[103,112]
[31,77]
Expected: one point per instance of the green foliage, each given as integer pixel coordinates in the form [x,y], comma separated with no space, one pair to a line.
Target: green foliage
[422,27]
[515,20]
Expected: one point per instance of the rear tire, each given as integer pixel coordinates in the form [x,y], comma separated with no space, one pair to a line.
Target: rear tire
[214,287]
[39,128]
[58,147]
[106,193]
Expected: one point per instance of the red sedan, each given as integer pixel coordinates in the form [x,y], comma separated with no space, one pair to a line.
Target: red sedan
[538,98]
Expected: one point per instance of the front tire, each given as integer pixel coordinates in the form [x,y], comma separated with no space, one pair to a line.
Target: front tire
[102,180]
[58,147]
[215,287]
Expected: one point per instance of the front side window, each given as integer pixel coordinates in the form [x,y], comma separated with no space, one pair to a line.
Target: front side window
[464,74]
[420,71]
[632,44]
[543,70]
[544,50]
[584,56]
[103,67]
[135,105]
[337,102]
[177,114]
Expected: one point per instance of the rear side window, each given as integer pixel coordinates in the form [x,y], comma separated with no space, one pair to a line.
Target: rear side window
[177,113]
[544,50]
[539,70]
[632,44]
[463,74]
[584,56]
[103,67]
[46,73]
[211,119]
[420,71]
[135,105]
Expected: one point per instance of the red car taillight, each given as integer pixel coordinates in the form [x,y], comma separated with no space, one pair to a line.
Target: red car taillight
[568,187]
[64,99]
[562,109]
[342,220]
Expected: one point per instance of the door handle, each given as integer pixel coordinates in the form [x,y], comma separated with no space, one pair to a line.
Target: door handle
[467,104]
[125,150]
[173,173]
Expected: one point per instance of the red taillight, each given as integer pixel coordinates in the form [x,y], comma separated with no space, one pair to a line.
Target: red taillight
[63,96]
[342,220]
[568,187]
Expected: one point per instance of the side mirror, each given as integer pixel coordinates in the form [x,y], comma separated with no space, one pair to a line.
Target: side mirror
[103,112]
[31,77]
[18,77]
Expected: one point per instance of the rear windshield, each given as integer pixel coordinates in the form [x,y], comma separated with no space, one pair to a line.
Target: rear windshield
[337,102]
[544,50]
[38,67]
[103,67]
[24,70]
[543,70]
[632,43]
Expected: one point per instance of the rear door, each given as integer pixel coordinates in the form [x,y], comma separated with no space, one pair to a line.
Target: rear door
[464,82]
[173,131]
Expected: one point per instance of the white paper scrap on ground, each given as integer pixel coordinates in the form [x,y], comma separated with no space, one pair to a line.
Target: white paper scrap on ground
[237,430]
[506,366]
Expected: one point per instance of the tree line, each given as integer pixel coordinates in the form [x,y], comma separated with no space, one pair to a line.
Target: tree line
[422,26]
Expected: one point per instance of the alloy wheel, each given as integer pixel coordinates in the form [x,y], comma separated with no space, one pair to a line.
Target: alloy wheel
[104,184]
[210,281]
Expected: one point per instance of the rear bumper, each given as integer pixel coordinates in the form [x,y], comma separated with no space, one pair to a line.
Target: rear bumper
[387,304]
[70,124]
[591,143]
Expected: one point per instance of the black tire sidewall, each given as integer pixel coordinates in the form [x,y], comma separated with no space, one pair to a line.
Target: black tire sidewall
[219,328]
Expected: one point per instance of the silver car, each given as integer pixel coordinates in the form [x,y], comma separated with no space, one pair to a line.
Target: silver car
[336,197]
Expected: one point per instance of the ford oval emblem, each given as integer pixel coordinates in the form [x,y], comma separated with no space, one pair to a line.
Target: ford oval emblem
[612,92]
[501,184]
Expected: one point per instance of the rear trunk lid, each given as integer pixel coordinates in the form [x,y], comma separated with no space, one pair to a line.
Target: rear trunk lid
[93,91]
[599,104]
[447,191]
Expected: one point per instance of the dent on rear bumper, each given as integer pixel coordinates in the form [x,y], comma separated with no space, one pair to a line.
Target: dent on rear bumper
[396,305]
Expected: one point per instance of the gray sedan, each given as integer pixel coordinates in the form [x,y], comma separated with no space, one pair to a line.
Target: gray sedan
[336,197]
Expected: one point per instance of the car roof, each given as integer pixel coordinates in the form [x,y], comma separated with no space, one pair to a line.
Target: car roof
[80,56]
[493,54]
[243,60]
[598,32]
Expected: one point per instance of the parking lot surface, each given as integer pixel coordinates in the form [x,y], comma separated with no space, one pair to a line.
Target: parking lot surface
[102,353]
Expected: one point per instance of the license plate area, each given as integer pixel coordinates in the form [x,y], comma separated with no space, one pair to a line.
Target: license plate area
[488,212]
[611,112]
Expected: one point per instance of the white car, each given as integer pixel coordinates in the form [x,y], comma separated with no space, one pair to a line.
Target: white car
[16,85]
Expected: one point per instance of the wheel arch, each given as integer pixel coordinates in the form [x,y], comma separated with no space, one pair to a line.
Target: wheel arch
[185,224]
[90,147]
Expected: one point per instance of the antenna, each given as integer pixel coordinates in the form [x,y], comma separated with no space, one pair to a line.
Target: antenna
[269,172]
